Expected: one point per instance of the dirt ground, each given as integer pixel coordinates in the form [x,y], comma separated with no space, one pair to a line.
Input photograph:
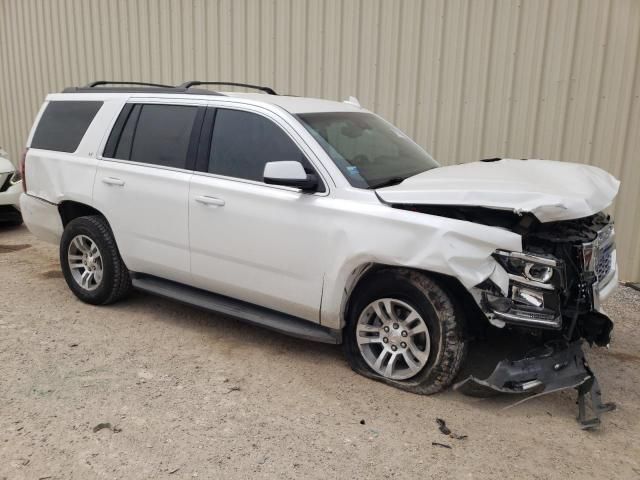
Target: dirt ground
[193,395]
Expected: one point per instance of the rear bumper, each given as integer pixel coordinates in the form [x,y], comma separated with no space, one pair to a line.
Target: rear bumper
[41,218]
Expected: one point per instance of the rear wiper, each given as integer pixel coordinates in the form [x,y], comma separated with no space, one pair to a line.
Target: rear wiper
[389,182]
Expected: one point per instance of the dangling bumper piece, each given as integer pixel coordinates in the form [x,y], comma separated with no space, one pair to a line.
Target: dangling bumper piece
[549,369]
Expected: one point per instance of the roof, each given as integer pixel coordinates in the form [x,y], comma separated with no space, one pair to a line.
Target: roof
[292,104]
[298,104]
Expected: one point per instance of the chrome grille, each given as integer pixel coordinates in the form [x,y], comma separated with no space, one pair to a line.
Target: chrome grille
[604,263]
[599,256]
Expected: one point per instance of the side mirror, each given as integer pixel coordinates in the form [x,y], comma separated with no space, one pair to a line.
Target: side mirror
[289,173]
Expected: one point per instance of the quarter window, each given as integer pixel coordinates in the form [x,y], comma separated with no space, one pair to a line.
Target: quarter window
[156,134]
[243,142]
[63,124]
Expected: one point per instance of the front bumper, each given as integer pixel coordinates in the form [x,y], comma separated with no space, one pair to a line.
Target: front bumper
[550,369]
[10,203]
[11,196]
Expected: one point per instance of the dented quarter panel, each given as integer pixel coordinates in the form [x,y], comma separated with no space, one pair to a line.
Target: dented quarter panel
[58,176]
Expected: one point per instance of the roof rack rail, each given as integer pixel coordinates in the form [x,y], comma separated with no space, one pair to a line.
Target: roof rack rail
[109,86]
[109,82]
[194,83]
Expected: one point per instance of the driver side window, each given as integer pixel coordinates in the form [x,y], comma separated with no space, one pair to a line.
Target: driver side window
[243,142]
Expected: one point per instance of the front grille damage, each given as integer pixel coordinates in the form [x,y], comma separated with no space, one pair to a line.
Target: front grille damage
[559,315]
[585,254]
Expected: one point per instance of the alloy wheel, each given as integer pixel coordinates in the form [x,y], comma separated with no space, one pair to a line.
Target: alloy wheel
[85,262]
[393,338]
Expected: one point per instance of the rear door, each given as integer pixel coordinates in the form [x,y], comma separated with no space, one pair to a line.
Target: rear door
[142,185]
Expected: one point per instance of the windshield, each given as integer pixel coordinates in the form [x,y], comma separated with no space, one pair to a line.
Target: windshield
[370,152]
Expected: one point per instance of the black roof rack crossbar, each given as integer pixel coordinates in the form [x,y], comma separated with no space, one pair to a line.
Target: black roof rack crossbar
[194,83]
[109,82]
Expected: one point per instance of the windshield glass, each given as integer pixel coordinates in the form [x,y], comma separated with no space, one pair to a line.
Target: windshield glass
[370,152]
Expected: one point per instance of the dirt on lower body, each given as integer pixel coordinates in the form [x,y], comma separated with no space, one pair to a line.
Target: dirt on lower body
[149,388]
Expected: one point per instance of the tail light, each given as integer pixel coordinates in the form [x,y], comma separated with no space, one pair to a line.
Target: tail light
[23,160]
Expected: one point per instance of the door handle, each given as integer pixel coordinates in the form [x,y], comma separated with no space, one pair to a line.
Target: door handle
[113,181]
[206,200]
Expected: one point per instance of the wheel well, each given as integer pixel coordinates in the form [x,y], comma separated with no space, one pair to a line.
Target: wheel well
[70,210]
[464,301]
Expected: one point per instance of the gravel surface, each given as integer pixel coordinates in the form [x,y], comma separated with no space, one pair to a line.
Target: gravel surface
[149,388]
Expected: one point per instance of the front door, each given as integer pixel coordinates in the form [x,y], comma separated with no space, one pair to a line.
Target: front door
[259,243]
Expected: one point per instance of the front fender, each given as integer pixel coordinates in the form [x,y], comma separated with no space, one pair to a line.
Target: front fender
[401,238]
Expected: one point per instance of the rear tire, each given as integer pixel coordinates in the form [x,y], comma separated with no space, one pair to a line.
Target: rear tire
[91,263]
[425,362]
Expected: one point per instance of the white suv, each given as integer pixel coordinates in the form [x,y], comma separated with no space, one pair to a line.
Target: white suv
[321,220]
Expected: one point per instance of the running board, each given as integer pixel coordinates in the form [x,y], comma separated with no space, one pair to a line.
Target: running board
[247,312]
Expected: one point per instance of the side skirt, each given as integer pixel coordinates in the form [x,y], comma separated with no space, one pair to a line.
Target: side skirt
[247,312]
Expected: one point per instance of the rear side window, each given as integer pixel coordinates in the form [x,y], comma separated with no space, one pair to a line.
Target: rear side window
[243,142]
[154,134]
[63,124]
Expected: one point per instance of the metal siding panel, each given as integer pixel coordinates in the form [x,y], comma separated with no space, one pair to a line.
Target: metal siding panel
[468,80]
[525,83]
[267,42]
[298,45]
[314,58]
[331,49]
[478,61]
[408,65]
[283,46]
[387,51]
[368,59]
[350,50]
[429,79]
[555,78]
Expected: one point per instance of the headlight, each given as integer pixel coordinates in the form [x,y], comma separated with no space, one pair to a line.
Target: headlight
[538,273]
[544,271]
[16,177]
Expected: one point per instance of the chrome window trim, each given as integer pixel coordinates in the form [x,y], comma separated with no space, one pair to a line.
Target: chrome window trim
[259,184]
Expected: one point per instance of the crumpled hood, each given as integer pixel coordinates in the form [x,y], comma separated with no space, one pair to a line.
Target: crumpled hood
[550,190]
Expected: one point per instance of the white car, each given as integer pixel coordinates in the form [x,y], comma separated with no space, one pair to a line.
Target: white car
[321,220]
[10,190]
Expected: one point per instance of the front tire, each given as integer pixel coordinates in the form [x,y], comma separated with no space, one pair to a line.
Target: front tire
[91,263]
[404,329]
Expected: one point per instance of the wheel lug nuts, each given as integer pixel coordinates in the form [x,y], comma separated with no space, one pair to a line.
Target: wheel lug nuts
[386,329]
[396,326]
[403,345]
[394,348]
[385,340]
[404,333]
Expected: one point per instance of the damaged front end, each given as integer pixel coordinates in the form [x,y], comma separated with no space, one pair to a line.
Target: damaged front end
[552,291]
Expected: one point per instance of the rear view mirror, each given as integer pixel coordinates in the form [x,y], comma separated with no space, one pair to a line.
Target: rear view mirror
[289,173]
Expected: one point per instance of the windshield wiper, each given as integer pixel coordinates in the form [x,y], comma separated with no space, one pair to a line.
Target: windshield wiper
[389,182]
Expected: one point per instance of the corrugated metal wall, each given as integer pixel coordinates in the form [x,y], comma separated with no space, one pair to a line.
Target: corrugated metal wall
[468,79]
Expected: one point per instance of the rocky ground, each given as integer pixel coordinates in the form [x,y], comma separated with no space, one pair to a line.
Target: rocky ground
[150,388]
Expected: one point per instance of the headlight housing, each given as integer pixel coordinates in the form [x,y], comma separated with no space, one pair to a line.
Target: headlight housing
[16,177]
[534,270]
[533,296]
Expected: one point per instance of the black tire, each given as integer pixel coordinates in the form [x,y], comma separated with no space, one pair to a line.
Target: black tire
[444,321]
[116,281]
